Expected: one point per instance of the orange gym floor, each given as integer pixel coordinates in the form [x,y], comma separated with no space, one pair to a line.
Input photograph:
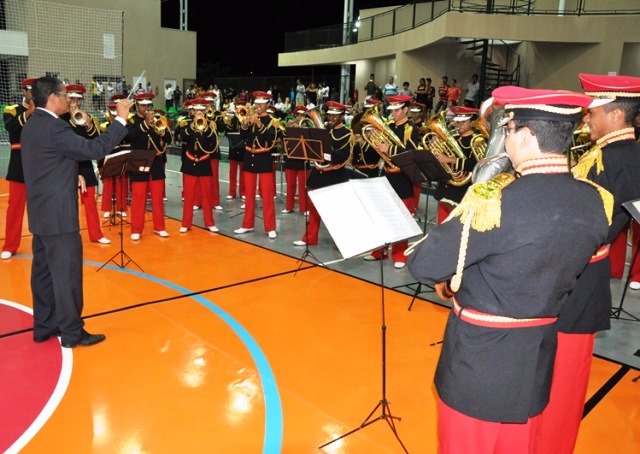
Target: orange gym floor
[224,346]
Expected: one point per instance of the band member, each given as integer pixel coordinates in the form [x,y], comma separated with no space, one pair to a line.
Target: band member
[215,121]
[409,138]
[121,181]
[614,163]
[200,141]
[183,122]
[14,118]
[417,111]
[450,193]
[259,133]
[505,238]
[365,158]
[231,128]
[85,126]
[144,135]
[296,171]
[332,170]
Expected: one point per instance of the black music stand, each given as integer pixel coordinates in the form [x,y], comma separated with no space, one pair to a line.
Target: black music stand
[309,144]
[135,161]
[420,166]
[633,208]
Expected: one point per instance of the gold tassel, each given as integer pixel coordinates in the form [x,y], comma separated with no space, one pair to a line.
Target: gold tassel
[606,196]
[587,161]
[482,205]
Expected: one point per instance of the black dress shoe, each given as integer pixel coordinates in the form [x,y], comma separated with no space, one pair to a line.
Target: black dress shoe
[45,337]
[85,340]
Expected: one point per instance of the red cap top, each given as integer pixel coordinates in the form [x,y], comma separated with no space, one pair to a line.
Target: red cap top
[272,109]
[144,98]
[464,113]
[396,102]
[199,103]
[603,86]
[187,104]
[261,97]
[416,106]
[112,107]
[75,90]
[536,104]
[300,109]
[208,95]
[27,83]
[117,97]
[335,108]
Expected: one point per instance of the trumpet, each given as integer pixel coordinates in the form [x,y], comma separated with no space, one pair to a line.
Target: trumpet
[210,113]
[78,117]
[200,122]
[581,141]
[242,112]
[159,124]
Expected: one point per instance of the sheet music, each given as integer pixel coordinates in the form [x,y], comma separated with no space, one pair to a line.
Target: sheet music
[115,155]
[364,214]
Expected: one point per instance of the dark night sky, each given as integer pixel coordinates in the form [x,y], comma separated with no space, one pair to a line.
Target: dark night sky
[224,26]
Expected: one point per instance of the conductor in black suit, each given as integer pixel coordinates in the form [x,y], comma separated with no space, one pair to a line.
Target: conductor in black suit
[51,152]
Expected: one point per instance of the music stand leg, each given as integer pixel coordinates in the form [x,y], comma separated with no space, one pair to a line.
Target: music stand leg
[617,311]
[307,252]
[383,404]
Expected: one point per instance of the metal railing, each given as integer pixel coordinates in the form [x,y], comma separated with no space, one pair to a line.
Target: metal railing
[417,13]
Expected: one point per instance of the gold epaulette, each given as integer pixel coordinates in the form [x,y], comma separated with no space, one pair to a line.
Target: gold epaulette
[407,134]
[606,196]
[182,122]
[481,205]
[587,161]
[11,109]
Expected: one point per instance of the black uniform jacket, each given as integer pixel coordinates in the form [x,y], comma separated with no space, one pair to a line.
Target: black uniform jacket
[330,172]
[14,118]
[143,137]
[449,191]
[199,148]
[50,161]
[410,136]
[550,225]
[260,142]
[236,144]
[589,307]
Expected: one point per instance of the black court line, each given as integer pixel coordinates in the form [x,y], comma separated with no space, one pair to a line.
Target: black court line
[604,390]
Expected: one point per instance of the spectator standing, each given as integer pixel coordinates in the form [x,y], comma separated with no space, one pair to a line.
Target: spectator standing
[406,91]
[390,89]
[300,93]
[431,93]
[168,96]
[177,97]
[421,92]
[443,88]
[453,93]
[370,87]
[471,92]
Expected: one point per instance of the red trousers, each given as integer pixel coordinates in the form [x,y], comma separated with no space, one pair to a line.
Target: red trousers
[139,203]
[15,216]
[559,422]
[444,210]
[296,178]
[397,249]
[618,253]
[459,433]
[192,182]
[313,227]
[417,190]
[88,200]
[215,182]
[236,174]
[267,188]
[122,189]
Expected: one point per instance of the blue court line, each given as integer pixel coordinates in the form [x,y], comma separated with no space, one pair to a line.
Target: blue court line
[272,404]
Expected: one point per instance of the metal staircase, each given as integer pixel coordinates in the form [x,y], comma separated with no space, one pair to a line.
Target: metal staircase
[499,63]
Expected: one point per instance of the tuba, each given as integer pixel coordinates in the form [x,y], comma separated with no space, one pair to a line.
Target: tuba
[439,139]
[315,115]
[496,160]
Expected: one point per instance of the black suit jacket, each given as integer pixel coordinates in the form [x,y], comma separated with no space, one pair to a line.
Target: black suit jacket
[51,151]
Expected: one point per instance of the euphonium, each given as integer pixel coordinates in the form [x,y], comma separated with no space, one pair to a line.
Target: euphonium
[581,141]
[439,139]
[200,122]
[159,124]
[496,160]
[376,131]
